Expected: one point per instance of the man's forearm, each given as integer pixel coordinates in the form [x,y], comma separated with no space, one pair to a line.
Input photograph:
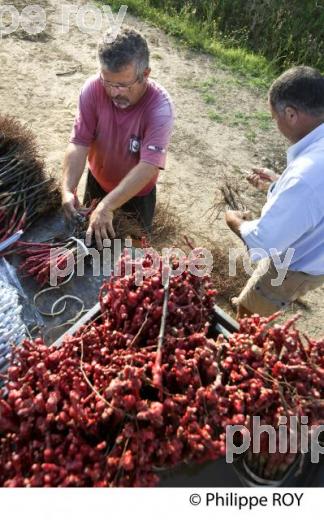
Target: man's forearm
[130,186]
[234,222]
[73,166]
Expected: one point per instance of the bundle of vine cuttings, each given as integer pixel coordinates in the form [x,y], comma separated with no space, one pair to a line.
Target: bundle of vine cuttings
[25,191]
[144,387]
[56,257]
[93,412]
[53,256]
[43,259]
[275,373]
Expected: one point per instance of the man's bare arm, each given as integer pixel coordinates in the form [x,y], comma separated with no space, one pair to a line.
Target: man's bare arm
[73,167]
[101,219]
[234,220]
[131,185]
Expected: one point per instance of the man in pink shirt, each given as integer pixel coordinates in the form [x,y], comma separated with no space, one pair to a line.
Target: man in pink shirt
[123,128]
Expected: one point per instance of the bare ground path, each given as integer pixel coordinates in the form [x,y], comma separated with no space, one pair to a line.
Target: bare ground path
[222,123]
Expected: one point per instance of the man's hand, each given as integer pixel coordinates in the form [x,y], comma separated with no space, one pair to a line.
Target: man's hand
[74,163]
[70,204]
[234,220]
[260,178]
[100,225]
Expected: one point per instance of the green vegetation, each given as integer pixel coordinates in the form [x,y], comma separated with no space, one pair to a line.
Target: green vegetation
[250,122]
[156,56]
[251,135]
[261,120]
[205,85]
[285,31]
[210,99]
[256,38]
[216,93]
[182,23]
[241,119]
[214,116]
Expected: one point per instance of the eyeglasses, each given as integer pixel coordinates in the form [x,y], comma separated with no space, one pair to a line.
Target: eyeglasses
[123,87]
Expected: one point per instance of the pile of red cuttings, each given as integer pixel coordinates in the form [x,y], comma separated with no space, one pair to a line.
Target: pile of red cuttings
[124,399]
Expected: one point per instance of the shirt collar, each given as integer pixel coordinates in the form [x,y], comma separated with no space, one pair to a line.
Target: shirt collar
[305,142]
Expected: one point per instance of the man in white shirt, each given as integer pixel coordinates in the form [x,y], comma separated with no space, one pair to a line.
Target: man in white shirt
[288,238]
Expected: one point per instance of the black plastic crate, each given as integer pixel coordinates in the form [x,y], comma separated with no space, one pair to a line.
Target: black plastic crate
[302,473]
[219,473]
[221,323]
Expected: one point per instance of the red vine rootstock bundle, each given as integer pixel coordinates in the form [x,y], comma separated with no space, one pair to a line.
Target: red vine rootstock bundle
[273,371]
[25,191]
[52,257]
[144,388]
[42,257]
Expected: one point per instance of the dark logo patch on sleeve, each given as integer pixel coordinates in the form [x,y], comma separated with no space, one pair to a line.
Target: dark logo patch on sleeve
[134,144]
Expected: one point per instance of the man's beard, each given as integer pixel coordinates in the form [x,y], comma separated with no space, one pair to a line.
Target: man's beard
[121,102]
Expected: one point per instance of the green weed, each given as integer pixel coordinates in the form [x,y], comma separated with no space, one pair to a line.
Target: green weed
[214,116]
[209,99]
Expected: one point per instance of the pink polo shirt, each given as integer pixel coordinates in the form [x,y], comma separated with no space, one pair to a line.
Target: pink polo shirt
[120,138]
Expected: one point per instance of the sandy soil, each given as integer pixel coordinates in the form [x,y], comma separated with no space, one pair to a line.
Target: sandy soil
[222,125]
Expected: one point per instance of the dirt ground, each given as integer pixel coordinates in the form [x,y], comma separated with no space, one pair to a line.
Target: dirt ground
[222,123]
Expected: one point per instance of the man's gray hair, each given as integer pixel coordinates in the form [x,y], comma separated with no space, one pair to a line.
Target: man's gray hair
[301,88]
[129,47]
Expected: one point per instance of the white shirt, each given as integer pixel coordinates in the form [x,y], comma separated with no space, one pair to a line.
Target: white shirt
[293,216]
